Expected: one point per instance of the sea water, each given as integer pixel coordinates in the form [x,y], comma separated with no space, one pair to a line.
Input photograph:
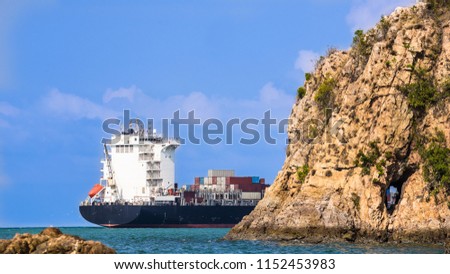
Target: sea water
[205,240]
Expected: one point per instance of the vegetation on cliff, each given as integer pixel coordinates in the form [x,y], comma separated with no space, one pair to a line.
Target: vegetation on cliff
[386,125]
[436,166]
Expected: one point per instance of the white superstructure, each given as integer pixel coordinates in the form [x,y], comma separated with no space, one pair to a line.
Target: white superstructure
[138,168]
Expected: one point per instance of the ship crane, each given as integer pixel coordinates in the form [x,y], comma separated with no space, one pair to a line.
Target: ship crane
[110,179]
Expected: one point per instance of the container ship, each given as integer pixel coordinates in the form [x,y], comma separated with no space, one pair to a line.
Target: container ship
[137,189]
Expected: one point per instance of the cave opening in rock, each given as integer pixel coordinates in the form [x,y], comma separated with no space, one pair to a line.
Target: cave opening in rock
[394,190]
[392,198]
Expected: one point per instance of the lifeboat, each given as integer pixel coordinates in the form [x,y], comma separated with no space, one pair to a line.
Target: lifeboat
[96,189]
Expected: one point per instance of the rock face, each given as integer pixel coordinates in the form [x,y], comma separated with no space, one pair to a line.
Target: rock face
[362,126]
[51,241]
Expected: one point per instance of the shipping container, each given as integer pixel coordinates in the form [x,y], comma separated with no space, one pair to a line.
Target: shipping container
[251,195]
[214,180]
[234,187]
[220,173]
[262,181]
[197,180]
[252,187]
[194,187]
[227,180]
[221,181]
[240,180]
[255,180]
[202,180]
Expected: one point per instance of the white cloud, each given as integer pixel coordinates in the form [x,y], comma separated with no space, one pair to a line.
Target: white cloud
[8,110]
[143,105]
[74,107]
[127,93]
[306,60]
[65,105]
[364,14]
[205,106]
[274,97]
[202,104]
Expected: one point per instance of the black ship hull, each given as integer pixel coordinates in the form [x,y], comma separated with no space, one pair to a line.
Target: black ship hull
[164,216]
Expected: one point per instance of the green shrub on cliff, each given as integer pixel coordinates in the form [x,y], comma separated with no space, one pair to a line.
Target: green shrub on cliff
[436,4]
[420,94]
[324,94]
[302,172]
[384,25]
[301,92]
[436,167]
[423,93]
[361,44]
[369,159]
[308,76]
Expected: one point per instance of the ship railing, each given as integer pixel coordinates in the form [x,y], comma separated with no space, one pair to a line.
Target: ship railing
[160,140]
[152,177]
[146,152]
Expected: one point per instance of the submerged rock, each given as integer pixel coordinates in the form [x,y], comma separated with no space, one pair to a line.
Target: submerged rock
[51,241]
[365,123]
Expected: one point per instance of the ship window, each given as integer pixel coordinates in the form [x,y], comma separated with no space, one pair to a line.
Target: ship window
[117,149]
[131,149]
[121,149]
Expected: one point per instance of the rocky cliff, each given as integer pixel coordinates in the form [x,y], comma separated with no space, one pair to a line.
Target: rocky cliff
[372,117]
[51,241]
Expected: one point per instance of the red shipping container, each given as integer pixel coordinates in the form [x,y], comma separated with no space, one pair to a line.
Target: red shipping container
[197,180]
[241,180]
[214,180]
[251,188]
[227,181]
[188,194]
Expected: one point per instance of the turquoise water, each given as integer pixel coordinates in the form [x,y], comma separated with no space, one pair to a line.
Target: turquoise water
[180,240]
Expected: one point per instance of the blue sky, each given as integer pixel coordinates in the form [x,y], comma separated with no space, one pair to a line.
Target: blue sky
[65,66]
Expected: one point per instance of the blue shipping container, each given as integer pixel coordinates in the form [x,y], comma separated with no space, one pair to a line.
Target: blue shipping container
[255,180]
[202,180]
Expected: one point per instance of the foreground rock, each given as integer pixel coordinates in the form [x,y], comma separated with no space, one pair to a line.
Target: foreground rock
[367,119]
[51,241]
